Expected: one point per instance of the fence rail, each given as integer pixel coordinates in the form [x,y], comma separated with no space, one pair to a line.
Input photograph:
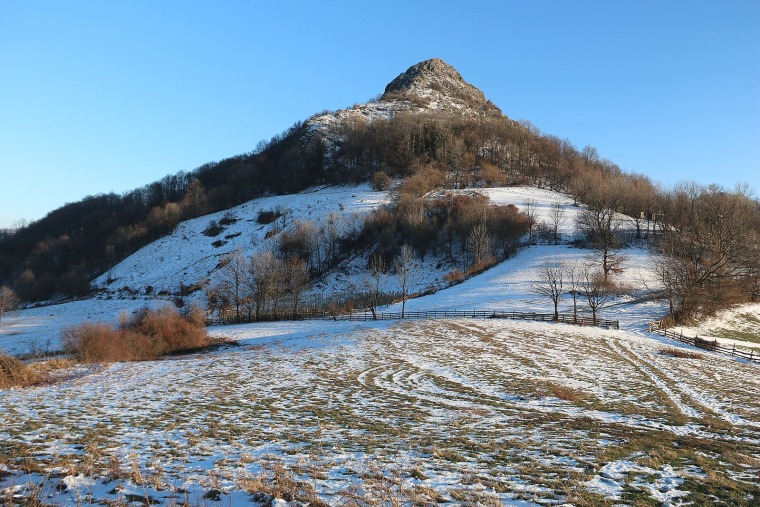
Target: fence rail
[479,314]
[711,345]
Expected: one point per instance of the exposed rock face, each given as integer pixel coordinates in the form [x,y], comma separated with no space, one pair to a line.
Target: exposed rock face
[429,86]
[439,82]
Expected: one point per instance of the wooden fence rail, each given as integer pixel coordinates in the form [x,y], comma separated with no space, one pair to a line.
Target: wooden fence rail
[479,314]
[364,316]
[711,345]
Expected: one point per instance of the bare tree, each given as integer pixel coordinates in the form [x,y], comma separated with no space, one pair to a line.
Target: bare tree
[332,232]
[298,281]
[195,202]
[373,283]
[710,238]
[556,217]
[8,300]
[404,268]
[233,278]
[550,283]
[262,280]
[531,215]
[480,243]
[600,226]
[574,277]
[595,290]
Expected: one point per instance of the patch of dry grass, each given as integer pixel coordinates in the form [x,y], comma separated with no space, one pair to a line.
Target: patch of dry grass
[681,353]
[14,373]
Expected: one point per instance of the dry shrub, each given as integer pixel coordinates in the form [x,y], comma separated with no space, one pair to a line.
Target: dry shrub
[681,353]
[455,276]
[148,334]
[14,373]
[381,181]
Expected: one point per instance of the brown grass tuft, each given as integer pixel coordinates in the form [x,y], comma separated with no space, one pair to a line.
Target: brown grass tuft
[681,353]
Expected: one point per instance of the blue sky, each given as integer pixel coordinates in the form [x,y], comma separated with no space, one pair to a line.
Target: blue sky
[100,97]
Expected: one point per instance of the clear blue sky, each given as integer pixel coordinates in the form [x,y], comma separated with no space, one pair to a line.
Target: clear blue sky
[101,96]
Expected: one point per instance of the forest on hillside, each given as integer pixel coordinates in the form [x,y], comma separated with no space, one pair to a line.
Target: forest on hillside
[710,235]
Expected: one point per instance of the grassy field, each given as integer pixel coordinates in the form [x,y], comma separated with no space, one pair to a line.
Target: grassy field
[459,411]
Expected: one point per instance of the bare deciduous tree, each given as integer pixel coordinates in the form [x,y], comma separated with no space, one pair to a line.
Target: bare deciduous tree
[263,278]
[574,277]
[404,269]
[710,238]
[556,217]
[479,242]
[600,226]
[596,291]
[550,282]
[298,281]
[233,277]
[373,283]
[531,214]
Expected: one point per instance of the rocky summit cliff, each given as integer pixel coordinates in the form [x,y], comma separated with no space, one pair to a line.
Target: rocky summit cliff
[429,86]
[441,84]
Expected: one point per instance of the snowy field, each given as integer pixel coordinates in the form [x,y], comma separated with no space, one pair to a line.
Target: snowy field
[495,412]
[453,411]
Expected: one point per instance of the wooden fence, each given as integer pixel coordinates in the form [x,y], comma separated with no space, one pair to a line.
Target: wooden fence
[479,314]
[711,345]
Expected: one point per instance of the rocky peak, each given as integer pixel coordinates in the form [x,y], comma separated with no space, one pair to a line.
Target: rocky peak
[429,86]
[425,74]
[437,81]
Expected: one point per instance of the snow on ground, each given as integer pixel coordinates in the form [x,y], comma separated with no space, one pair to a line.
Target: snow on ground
[491,410]
[39,329]
[739,325]
[509,286]
[487,411]
[188,256]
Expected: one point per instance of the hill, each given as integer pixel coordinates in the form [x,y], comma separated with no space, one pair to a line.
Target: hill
[430,131]
[429,117]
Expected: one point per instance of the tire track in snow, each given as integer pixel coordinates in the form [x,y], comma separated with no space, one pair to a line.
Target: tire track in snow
[706,402]
[637,362]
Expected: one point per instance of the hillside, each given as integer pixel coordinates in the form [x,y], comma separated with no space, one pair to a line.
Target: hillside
[429,121]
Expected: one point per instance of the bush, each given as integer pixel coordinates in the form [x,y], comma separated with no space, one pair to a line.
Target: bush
[149,334]
[381,181]
[14,373]
[268,216]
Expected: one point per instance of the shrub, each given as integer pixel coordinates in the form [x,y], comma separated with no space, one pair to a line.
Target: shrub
[213,229]
[268,216]
[148,334]
[381,181]
[455,276]
[14,373]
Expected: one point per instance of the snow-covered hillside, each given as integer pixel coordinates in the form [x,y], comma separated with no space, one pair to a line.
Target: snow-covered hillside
[189,256]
